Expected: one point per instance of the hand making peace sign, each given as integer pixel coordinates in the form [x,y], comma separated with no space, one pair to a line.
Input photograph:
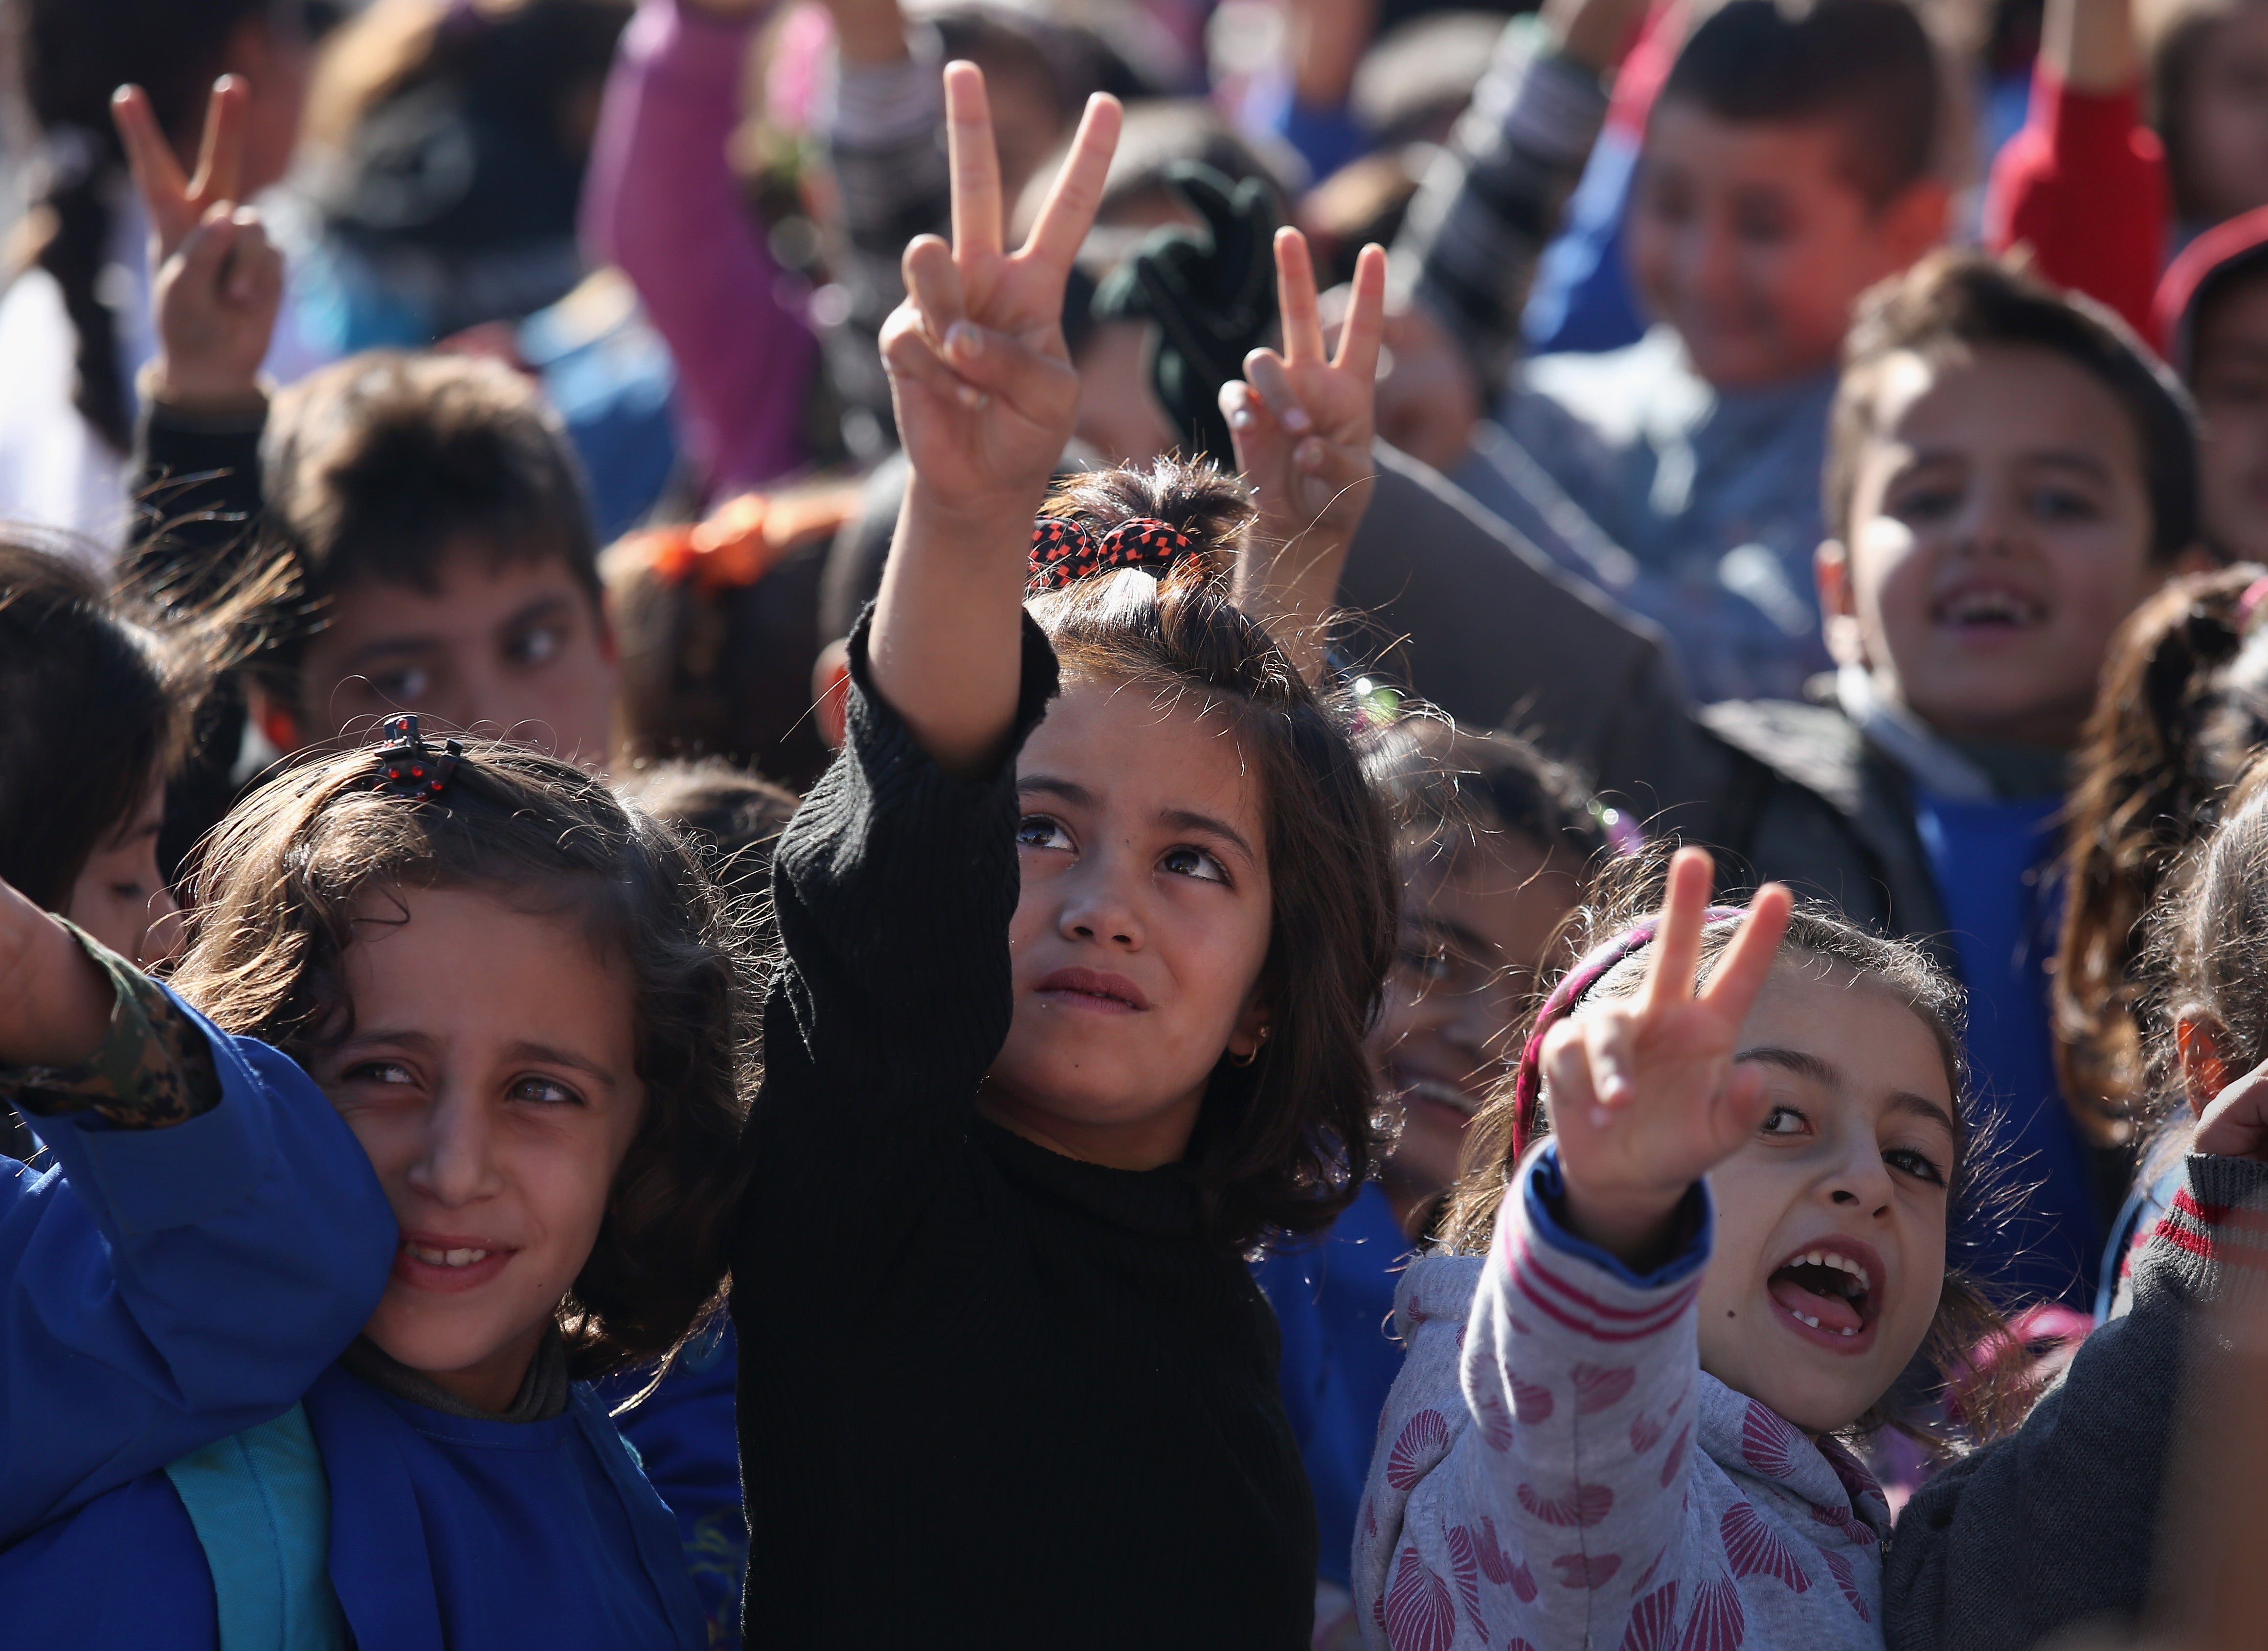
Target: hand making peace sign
[217,284]
[1302,423]
[1645,1098]
[984,387]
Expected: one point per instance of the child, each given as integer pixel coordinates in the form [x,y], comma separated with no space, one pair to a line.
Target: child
[2183,711]
[2065,1522]
[521,998]
[1787,166]
[96,715]
[1619,1427]
[70,344]
[1070,1017]
[2010,475]
[1496,848]
[203,1240]
[2212,320]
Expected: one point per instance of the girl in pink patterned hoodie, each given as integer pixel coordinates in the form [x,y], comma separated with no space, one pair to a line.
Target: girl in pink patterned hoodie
[1620,1427]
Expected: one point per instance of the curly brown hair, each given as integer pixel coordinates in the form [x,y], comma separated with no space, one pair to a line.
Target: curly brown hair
[275,891]
[1969,1341]
[1282,1145]
[2183,705]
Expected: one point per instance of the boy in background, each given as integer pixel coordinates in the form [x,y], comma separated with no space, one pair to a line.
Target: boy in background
[1787,166]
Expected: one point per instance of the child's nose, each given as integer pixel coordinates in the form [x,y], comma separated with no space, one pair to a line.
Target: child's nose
[457,1164]
[1099,905]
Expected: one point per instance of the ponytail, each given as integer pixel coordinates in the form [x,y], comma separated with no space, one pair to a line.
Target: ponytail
[2167,737]
[75,210]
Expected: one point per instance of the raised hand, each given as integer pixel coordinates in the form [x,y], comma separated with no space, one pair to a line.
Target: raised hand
[1645,1096]
[983,385]
[216,282]
[1302,423]
[985,396]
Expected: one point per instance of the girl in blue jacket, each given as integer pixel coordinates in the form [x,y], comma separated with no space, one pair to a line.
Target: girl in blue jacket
[524,1000]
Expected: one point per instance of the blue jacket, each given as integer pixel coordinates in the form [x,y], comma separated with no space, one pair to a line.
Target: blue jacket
[444,1532]
[169,1287]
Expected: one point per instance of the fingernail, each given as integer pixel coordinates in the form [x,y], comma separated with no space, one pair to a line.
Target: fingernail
[970,396]
[1296,419]
[961,339]
[1240,419]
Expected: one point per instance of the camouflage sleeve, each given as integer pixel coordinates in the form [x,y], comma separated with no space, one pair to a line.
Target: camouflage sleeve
[154,1067]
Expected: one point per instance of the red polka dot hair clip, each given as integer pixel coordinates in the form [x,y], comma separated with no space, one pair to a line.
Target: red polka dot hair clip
[1063,552]
[410,768]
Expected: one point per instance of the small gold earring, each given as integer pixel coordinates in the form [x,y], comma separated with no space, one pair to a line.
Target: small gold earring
[1246,1060]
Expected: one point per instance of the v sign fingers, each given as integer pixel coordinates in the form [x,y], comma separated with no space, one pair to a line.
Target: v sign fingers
[176,204]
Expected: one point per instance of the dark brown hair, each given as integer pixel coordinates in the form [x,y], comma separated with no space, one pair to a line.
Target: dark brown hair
[1282,1145]
[277,892]
[2203,956]
[2183,707]
[1448,784]
[384,464]
[1866,66]
[1967,1325]
[1954,301]
[97,709]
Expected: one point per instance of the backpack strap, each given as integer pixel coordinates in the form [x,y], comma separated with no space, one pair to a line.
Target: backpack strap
[261,1508]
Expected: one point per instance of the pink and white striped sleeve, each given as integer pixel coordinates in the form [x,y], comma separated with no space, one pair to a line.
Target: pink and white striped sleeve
[1579,1376]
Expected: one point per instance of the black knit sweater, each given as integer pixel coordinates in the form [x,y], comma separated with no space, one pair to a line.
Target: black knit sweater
[989,1395]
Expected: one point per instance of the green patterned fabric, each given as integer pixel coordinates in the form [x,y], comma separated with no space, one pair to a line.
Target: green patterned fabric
[153,1069]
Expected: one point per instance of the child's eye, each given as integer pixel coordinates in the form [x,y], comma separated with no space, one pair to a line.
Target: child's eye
[1920,1165]
[129,891]
[1783,1121]
[403,687]
[1038,831]
[2056,503]
[1424,962]
[544,1092]
[1184,861]
[1925,503]
[538,645]
[382,1071]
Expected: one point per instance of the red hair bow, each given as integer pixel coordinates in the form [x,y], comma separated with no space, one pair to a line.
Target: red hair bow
[1063,550]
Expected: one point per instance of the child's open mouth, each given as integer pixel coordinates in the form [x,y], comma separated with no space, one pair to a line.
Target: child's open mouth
[1832,1291]
[1985,609]
[446,1264]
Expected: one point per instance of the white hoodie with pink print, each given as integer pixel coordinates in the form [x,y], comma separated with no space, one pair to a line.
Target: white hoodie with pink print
[1554,1470]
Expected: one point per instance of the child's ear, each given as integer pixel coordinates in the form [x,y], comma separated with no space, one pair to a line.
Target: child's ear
[2203,1074]
[1912,222]
[276,725]
[1251,1033]
[1838,604]
[830,691]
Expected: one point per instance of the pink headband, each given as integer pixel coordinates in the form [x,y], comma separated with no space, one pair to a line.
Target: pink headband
[1527,1085]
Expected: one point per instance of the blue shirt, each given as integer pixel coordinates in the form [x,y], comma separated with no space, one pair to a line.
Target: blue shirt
[1990,860]
[1335,1303]
[169,1287]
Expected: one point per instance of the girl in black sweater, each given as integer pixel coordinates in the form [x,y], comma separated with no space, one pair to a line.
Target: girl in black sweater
[1083,931]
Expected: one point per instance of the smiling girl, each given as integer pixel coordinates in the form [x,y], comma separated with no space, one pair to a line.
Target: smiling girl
[1083,931]
[522,998]
[1619,1427]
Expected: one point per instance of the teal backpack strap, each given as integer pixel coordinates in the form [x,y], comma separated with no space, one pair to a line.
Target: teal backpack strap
[262,1511]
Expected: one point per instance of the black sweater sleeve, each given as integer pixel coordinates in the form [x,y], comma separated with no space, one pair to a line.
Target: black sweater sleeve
[894,887]
[2057,1524]
[197,499]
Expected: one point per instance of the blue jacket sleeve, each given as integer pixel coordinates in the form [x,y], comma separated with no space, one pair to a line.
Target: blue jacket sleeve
[168,1287]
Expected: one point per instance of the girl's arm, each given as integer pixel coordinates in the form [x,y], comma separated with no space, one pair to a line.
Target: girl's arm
[985,396]
[1302,423]
[662,204]
[210,1237]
